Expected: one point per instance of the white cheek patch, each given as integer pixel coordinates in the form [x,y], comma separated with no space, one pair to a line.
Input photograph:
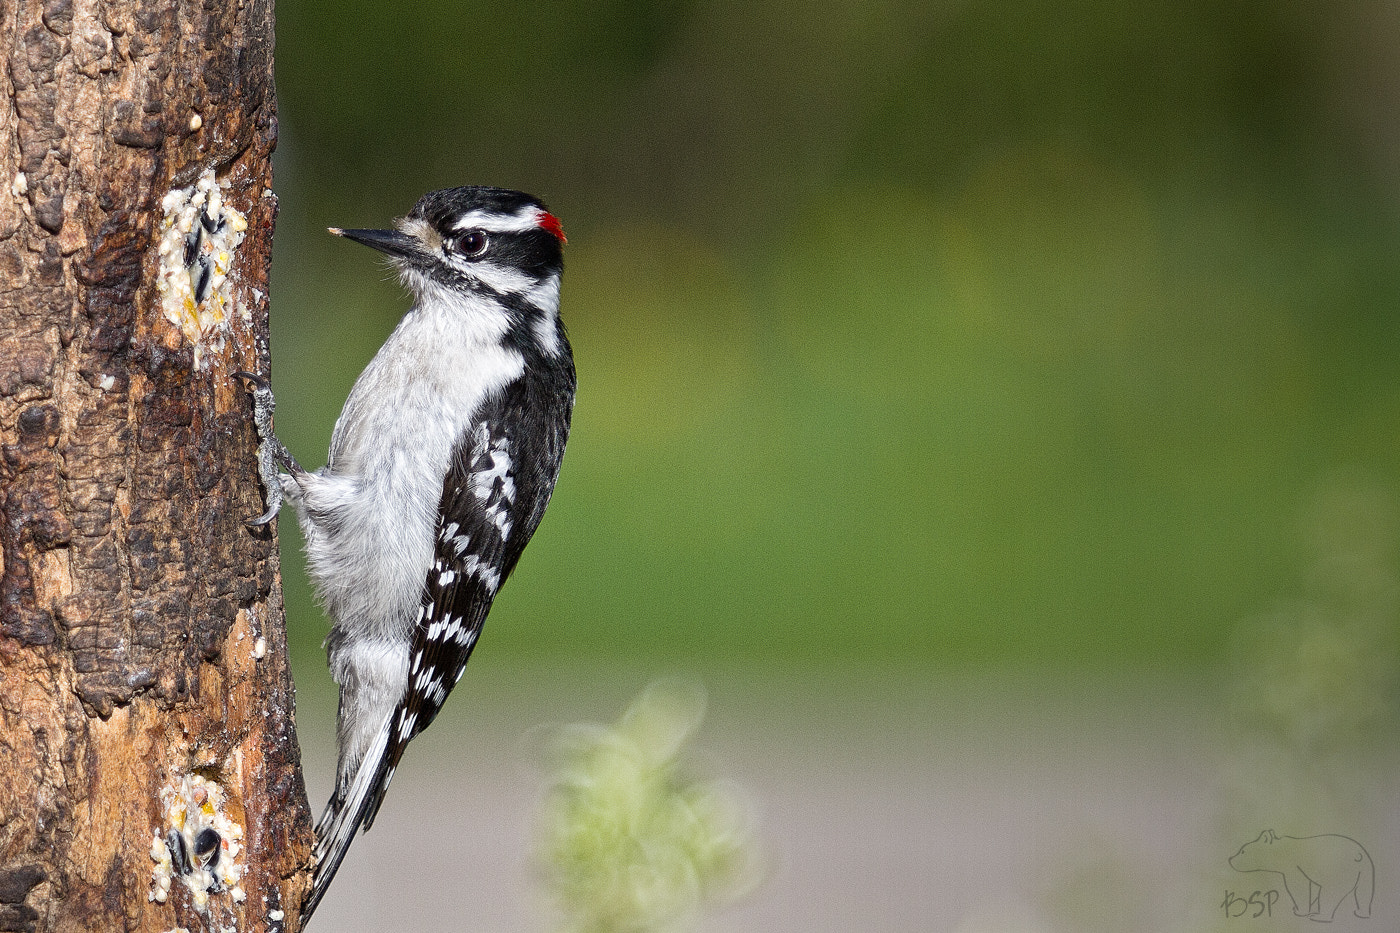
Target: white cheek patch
[499,278]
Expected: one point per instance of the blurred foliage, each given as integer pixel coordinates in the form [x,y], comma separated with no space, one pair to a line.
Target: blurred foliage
[628,843]
[1315,700]
[907,332]
[1321,678]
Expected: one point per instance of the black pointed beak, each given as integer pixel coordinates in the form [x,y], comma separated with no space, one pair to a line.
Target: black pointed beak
[386,241]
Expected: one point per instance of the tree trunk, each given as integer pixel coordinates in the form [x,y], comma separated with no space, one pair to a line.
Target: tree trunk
[145,698]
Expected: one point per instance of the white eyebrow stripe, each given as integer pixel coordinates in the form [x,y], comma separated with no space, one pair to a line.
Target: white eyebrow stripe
[528,218]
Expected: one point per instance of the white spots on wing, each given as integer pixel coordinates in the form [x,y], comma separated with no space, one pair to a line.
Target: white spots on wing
[489,576]
[453,537]
[492,480]
[461,634]
[471,564]
[430,687]
[449,629]
[407,720]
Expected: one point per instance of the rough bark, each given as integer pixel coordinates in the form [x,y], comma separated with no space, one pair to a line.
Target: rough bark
[141,629]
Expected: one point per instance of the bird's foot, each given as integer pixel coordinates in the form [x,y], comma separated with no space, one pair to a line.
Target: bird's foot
[271,451]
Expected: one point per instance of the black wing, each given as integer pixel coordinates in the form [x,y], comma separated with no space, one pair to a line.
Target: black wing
[493,497]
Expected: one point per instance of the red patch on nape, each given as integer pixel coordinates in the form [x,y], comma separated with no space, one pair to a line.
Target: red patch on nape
[551,223]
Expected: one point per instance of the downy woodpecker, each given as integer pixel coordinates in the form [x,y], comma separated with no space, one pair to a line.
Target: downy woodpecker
[440,468]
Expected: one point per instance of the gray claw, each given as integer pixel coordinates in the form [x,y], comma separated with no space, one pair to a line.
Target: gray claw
[271,451]
[274,505]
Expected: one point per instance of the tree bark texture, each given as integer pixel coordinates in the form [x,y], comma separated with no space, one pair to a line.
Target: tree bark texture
[144,684]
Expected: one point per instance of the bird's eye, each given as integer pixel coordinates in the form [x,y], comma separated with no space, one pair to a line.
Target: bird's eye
[470,244]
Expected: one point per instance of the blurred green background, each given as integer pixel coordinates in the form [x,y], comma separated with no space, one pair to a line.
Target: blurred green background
[918,334]
[995,404]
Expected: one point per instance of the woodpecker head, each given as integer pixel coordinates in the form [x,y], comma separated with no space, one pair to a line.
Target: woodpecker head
[483,250]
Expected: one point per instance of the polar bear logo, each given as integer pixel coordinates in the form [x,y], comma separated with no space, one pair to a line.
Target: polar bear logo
[1320,873]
